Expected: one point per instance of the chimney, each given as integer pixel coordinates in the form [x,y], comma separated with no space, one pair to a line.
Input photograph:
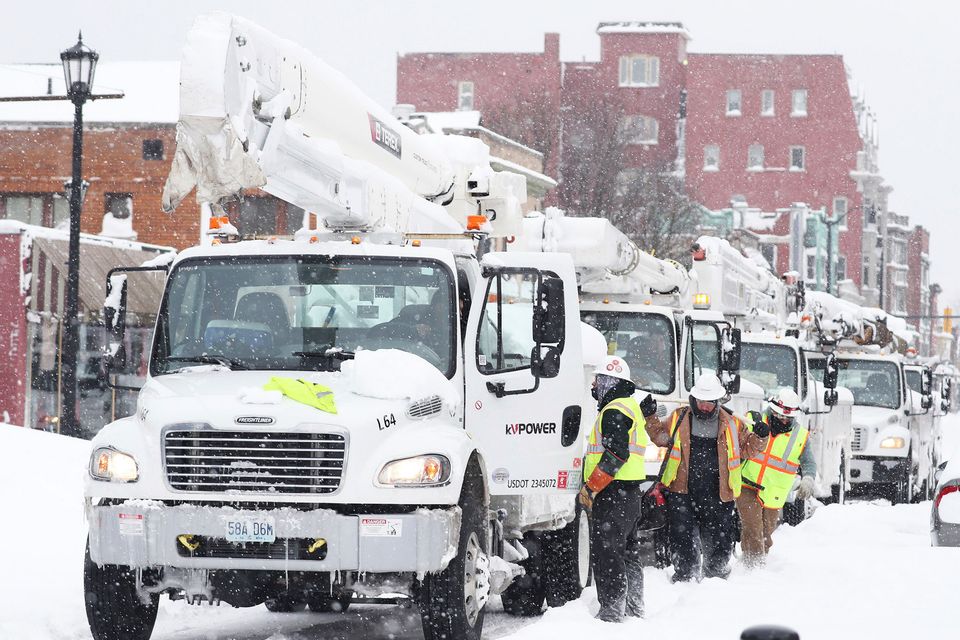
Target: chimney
[551,45]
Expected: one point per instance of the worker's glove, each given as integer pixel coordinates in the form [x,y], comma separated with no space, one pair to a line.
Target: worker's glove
[586,498]
[648,406]
[761,428]
[805,488]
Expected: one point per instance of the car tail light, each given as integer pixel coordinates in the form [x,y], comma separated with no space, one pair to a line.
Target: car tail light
[944,491]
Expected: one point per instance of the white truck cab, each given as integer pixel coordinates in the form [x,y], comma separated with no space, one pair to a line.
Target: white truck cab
[364,409]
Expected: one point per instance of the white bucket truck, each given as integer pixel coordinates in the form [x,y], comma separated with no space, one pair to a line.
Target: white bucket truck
[777,352]
[352,412]
[892,450]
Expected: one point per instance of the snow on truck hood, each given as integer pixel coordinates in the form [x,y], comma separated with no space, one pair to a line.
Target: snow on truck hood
[217,395]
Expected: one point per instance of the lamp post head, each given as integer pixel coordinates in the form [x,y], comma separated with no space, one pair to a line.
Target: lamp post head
[79,64]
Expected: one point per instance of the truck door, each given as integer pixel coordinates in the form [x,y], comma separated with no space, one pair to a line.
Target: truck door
[524,375]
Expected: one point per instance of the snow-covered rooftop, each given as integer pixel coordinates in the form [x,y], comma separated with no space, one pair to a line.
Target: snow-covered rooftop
[643,27]
[151,93]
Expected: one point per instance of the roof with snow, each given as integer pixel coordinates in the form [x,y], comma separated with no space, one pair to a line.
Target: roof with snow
[643,27]
[151,93]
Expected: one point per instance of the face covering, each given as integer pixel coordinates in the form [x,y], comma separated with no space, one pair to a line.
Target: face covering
[779,424]
[700,414]
[603,385]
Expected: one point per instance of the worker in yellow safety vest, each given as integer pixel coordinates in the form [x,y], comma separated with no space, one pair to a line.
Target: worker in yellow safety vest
[706,447]
[768,475]
[614,470]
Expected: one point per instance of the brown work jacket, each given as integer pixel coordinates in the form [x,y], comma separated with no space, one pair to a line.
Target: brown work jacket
[750,444]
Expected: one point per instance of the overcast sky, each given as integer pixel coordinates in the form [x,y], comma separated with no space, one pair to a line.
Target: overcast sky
[904,55]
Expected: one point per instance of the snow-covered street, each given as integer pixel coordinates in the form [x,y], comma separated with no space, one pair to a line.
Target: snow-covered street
[858,570]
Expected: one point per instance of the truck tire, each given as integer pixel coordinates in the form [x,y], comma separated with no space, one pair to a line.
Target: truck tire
[566,560]
[285,604]
[794,512]
[452,601]
[115,610]
[526,594]
[901,491]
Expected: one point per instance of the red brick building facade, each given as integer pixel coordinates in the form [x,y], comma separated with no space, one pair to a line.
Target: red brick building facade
[770,130]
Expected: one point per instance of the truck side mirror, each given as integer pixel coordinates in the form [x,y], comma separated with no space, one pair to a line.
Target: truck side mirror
[114,319]
[830,397]
[549,317]
[926,402]
[926,382]
[545,362]
[831,372]
[730,350]
[732,385]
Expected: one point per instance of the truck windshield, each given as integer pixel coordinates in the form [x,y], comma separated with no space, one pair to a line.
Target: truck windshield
[645,341]
[772,366]
[913,379]
[301,313]
[873,383]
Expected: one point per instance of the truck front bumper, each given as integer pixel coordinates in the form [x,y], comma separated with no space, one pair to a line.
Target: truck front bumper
[876,469]
[143,533]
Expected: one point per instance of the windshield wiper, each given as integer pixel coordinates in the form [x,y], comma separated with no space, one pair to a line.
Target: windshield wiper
[205,358]
[334,353]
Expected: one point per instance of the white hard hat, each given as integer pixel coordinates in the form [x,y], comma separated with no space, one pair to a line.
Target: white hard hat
[785,402]
[615,367]
[708,388]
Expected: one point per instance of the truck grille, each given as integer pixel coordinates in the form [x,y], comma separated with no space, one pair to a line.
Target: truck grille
[245,461]
[859,440]
[281,549]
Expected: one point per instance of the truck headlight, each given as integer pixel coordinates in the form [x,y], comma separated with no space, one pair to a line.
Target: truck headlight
[892,442]
[418,471]
[111,465]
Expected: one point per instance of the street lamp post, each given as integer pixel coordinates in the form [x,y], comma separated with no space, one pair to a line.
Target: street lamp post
[79,65]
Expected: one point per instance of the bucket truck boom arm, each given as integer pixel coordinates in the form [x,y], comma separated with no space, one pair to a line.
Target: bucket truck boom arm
[258,111]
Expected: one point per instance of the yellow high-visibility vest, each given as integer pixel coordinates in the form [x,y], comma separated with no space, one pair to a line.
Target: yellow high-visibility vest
[309,393]
[772,471]
[732,429]
[633,468]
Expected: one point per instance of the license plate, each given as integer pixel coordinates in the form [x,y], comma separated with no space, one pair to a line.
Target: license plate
[251,529]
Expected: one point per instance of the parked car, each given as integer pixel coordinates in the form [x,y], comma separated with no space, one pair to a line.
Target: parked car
[945,512]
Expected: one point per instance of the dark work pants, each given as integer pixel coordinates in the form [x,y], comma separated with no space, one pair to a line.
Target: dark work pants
[614,553]
[700,517]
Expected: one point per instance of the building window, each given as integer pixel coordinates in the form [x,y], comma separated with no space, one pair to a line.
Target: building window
[711,157]
[766,102]
[40,209]
[119,205]
[733,102]
[639,71]
[755,157]
[841,268]
[639,130]
[869,212]
[465,96]
[866,276]
[799,103]
[798,159]
[627,179]
[153,149]
[840,210]
[811,267]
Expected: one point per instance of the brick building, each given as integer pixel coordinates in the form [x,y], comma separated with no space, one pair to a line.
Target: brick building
[128,146]
[764,131]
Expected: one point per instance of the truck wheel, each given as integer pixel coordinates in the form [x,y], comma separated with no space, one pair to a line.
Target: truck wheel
[525,595]
[901,491]
[330,604]
[794,512]
[285,604]
[115,610]
[566,560]
[452,601]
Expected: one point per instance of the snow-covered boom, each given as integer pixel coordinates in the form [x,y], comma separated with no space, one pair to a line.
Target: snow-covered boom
[836,320]
[607,261]
[258,111]
[741,286]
